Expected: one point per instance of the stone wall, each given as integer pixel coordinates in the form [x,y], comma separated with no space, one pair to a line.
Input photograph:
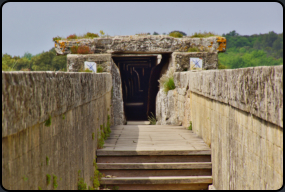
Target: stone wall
[143,44]
[182,60]
[78,103]
[239,113]
[75,62]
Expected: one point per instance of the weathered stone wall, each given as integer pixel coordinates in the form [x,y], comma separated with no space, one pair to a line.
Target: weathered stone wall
[143,44]
[75,62]
[182,60]
[239,113]
[78,104]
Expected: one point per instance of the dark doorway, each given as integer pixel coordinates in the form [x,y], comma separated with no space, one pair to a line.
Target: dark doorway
[135,75]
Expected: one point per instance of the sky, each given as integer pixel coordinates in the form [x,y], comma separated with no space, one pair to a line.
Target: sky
[30,26]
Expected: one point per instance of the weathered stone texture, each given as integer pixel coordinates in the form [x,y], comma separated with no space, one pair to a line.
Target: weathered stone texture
[239,113]
[75,62]
[117,96]
[182,60]
[141,44]
[247,151]
[78,104]
[257,90]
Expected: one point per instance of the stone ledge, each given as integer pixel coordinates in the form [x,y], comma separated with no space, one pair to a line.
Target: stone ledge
[142,44]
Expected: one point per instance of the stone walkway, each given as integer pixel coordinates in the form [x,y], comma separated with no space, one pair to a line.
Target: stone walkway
[133,139]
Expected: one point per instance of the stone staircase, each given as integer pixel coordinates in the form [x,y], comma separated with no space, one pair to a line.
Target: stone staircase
[155,170]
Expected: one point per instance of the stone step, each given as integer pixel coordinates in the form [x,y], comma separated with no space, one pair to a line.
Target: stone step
[193,186]
[174,165]
[114,152]
[157,180]
[153,158]
[156,172]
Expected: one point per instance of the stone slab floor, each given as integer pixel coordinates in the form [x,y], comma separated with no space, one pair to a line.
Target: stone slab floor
[135,139]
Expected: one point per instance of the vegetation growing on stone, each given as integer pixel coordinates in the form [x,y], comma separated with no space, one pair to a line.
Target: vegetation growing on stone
[57,38]
[169,85]
[85,70]
[175,34]
[63,116]
[54,182]
[48,122]
[203,35]
[166,81]
[93,136]
[82,49]
[73,36]
[152,119]
[25,178]
[97,176]
[47,160]
[105,133]
[48,179]
[99,69]
[81,185]
[190,125]
[90,35]
[39,188]
[193,49]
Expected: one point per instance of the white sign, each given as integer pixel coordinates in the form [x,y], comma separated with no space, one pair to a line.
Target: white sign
[196,63]
[90,65]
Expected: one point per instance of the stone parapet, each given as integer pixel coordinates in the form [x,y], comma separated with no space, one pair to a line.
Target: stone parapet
[28,98]
[257,90]
[143,44]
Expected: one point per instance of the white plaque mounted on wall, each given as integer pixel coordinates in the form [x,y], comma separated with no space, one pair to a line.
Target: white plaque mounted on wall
[90,65]
[196,63]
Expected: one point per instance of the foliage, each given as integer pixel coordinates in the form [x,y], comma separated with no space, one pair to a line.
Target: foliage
[97,176]
[63,116]
[203,35]
[271,42]
[45,61]
[54,182]
[93,136]
[73,36]
[80,184]
[190,125]
[169,85]
[39,188]
[48,122]
[155,33]
[178,32]
[74,49]
[57,38]
[175,34]
[115,187]
[25,178]
[85,70]
[221,66]
[90,35]
[193,49]
[83,49]
[99,69]
[48,179]
[152,119]
[102,33]
[47,160]
[165,77]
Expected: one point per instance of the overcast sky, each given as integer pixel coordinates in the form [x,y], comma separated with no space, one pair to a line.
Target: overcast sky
[30,27]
